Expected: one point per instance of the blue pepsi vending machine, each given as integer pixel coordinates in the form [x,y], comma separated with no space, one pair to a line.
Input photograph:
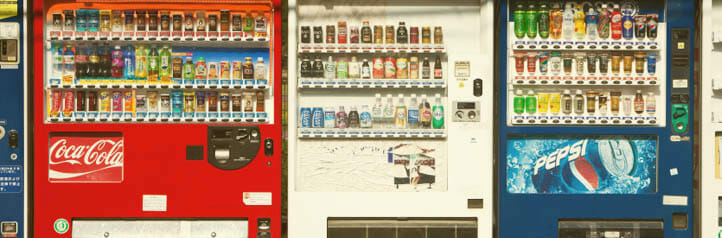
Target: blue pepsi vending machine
[12,119]
[595,130]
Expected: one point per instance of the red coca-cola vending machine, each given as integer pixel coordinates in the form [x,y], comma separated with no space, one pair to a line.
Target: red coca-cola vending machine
[157,118]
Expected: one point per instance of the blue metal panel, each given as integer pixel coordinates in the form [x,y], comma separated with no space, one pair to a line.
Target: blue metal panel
[12,93]
[537,215]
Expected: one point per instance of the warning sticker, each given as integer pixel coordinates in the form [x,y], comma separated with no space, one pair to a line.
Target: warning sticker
[11,179]
[257,199]
[155,203]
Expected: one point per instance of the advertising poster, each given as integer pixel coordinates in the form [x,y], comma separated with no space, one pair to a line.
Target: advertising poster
[372,166]
[581,165]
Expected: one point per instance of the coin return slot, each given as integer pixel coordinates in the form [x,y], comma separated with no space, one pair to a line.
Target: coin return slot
[679,221]
[232,147]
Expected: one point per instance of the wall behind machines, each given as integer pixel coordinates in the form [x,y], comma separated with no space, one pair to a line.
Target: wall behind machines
[13,165]
[335,182]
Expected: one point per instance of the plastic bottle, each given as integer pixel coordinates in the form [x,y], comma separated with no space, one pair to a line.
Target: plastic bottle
[365,70]
[377,114]
[567,102]
[342,68]
[365,118]
[329,117]
[579,103]
[438,72]
[389,111]
[330,68]
[603,24]
[531,21]
[592,20]
[651,104]
[341,118]
[68,65]
[93,63]
[129,62]
[580,30]
[105,62]
[354,68]
[201,69]
[520,21]
[260,69]
[117,67]
[627,25]
[353,118]
[616,23]
[568,22]
[81,62]
[165,64]
[153,64]
[425,112]
[426,69]
[519,103]
[413,113]
[556,18]
[57,62]
[638,102]
[189,69]
[543,19]
[438,113]
[141,62]
[401,113]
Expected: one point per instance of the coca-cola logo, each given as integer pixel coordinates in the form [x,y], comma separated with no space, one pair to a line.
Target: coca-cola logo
[85,159]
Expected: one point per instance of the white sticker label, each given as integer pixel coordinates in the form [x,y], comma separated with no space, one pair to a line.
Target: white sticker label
[257,199]
[155,203]
[679,83]
[462,70]
[673,172]
[670,200]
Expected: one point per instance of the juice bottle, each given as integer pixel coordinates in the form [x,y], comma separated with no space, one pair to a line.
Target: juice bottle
[638,102]
[519,21]
[519,103]
[604,20]
[543,106]
[153,66]
[556,19]
[201,69]
[141,62]
[117,70]
[616,23]
[425,112]
[531,102]
[580,30]
[543,20]
[400,113]
[531,21]
[165,65]
[554,103]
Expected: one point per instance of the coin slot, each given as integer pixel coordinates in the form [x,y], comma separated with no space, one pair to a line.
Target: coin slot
[475,203]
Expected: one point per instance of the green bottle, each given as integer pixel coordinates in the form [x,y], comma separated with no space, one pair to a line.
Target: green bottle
[189,69]
[519,21]
[165,68]
[248,25]
[531,21]
[544,20]
[438,113]
[153,65]
[519,103]
[531,102]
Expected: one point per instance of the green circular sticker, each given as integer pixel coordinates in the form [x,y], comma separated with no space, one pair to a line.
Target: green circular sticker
[61,226]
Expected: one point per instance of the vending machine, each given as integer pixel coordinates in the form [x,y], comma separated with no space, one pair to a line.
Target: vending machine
[390,118]
[596,110]
[188,92]
[13,126]
[710,133]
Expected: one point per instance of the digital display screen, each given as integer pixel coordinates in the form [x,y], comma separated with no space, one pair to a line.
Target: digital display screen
[466,105]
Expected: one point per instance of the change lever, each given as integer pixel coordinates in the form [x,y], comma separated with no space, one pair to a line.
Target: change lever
[679,113]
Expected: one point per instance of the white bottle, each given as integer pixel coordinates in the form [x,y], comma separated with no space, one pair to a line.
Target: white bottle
[329,117]
[377,114]
[400,113]
[651,107]
[330,68]
[568,22]
[57,60]
[260,69]
[389,110]
[354,68]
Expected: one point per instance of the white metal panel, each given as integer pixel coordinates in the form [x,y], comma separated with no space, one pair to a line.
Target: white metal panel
[159,229]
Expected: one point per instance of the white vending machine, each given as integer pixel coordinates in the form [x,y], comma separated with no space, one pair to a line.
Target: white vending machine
[391,116]
[710,133]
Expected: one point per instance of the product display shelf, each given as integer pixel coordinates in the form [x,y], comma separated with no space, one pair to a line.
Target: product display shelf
[575,45]
[134,118]
[210,38]
[370,83]
[370,48]
[334,133]
[585,120]
[121,83]
[621,80]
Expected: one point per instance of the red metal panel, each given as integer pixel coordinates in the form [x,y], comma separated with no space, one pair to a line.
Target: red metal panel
[155,163]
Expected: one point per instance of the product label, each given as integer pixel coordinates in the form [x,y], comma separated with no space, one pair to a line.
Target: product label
[86,158]
[257,199]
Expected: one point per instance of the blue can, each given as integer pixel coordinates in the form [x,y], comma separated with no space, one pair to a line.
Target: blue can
[651,63]
[305,117]
[627,26]
[317,117]
[584,166]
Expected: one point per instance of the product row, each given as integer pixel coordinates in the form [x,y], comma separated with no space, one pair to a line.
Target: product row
[150,22]
[582,21]
[343,34]
[584,103]
[139,105]
[145,63]
[585,63]
[379,68]
[419,113]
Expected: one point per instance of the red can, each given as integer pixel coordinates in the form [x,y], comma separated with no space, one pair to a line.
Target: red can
[414,35]
[80,101]
[56,103]
[69,103]
[93,101]
[378,68]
